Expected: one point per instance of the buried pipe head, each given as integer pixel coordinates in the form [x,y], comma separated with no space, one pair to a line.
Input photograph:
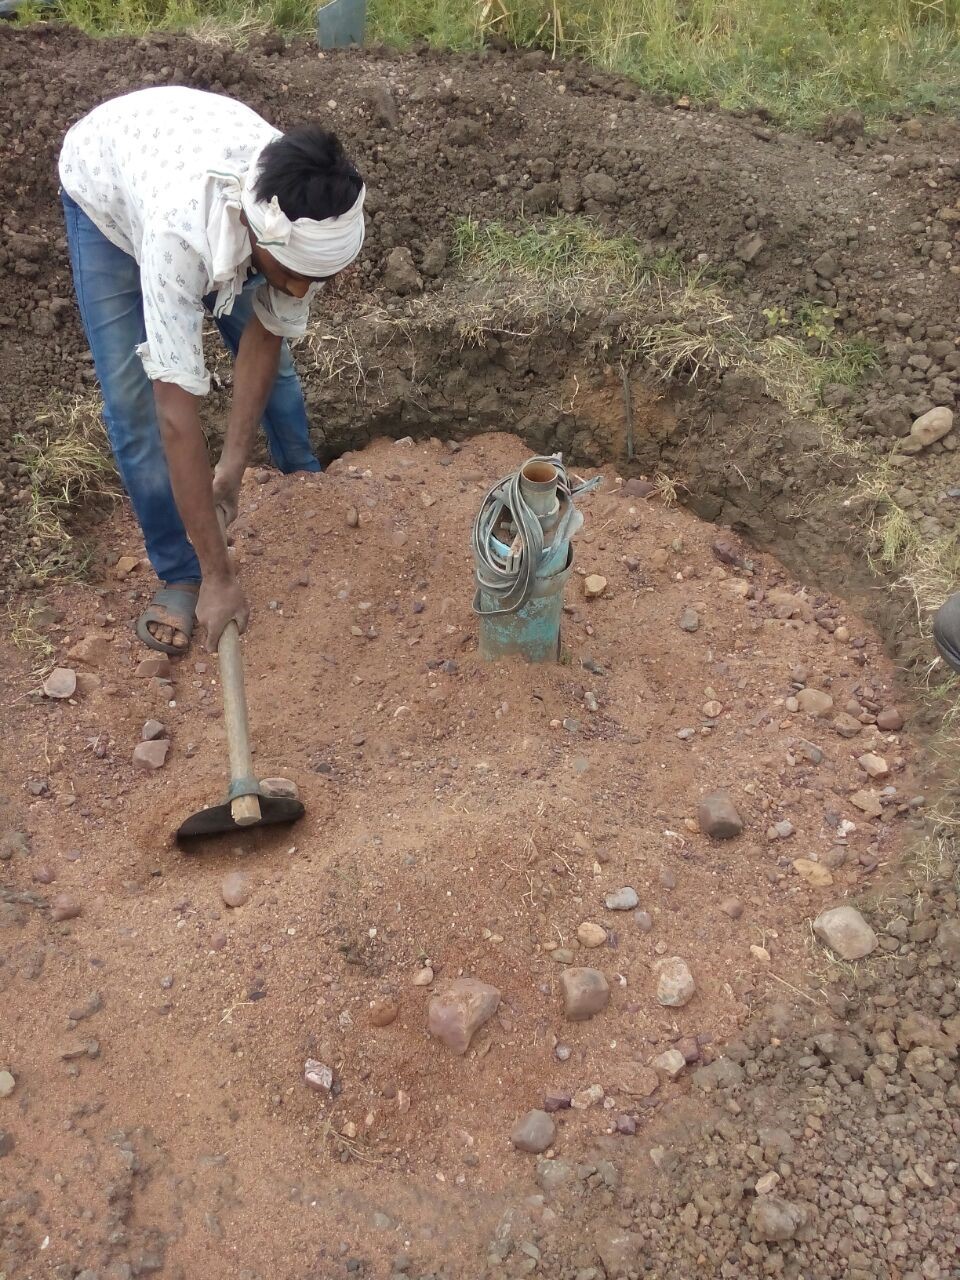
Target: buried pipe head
[538,484]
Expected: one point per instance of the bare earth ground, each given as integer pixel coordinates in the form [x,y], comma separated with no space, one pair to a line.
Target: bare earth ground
[450,823]
[157,1121]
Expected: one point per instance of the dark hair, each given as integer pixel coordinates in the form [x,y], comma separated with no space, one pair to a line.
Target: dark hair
[309,173]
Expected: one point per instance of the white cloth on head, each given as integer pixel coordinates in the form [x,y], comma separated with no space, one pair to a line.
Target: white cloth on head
[316,247]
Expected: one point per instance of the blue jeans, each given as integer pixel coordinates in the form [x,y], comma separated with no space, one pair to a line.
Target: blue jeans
[107,283]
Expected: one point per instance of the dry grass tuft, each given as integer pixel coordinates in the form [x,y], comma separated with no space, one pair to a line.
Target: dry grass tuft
[70,467]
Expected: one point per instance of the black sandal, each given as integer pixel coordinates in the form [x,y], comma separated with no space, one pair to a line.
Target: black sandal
[174,607]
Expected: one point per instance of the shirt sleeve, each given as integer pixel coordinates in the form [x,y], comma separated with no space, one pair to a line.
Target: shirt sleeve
[286,317]
[173,281]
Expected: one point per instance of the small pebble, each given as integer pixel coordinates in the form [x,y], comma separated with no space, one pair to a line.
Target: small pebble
[63,907]
[60,683]
[317,1076]
[591,935]
[235,889]
[534,1132]
[624,899]
[383,1011]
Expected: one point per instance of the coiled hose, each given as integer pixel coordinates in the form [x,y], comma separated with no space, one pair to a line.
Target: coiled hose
[510,580]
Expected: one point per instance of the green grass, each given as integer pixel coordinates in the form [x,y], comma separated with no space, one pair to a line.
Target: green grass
[799,59]
[557,250]
[680,321]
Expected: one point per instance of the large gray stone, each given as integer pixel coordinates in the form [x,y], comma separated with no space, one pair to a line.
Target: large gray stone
[675,984]
[718,817]
[456,1013]
[585,992]
[928,429]
[534,1132]
[845,931]
[773,1218]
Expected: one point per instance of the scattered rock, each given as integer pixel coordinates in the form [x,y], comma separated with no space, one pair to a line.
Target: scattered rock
[60,683]
[846,725]
[353,518]
[383,105]
[671,1063]
[845,931]
[435,257]
[675,984]
[155,667]
[457,1013]
[400,273]
[151,755]
[636,1080]
[7,1084]
[63,907]
[317,1076]
[813,873]
[718,818]
[534,1132]
[928,429]
[586,1098]
[690,620]
[423,977]
[873,765]
[383,1011]
[624,899]
[152,730]
[814,702]
[889,720]
[125,566]
[279,789]
[867,802]
[594,586]
[732,907]
[749,247]
[236,888]
[643,920]
[92,651]
[585,993]
[591,935]
[772,1218]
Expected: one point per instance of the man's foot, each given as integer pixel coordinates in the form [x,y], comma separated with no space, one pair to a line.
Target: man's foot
[167,623]
[946,631]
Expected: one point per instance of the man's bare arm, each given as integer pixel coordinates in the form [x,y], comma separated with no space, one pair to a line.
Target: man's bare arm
[254,375]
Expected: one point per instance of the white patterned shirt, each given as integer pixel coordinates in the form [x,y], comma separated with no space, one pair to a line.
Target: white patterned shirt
[143,169]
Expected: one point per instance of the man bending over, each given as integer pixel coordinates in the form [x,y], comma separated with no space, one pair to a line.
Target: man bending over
[180,203]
